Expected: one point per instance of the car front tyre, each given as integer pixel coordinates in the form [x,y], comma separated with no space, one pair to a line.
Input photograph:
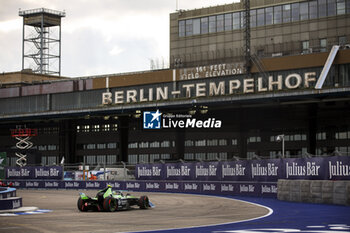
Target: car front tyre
[143,202]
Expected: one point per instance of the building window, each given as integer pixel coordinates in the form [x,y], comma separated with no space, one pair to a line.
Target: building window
[313,10]
[304,11]
[200,156]
[295,12]
[78,128]
[112,145]
[189,27]
[261,17]
[114,127]
[277,15]
[204,25]
[212,142]
[228,22]
[133,145]
[321,136]
[242,19]
[90,146]
[234,142]
[105,127]
[196,26]
[342,135]
[189,143]
[212,156]
[212,24]
[52,147]
[343,150]
[154,144]
[95,128]
[111,159]
[348,7]
[182,31]
[223,155]
[132,159]
[200,142]
[250,155]
[165,156]
[322,8]
[143,158]
[323,45]
[90,159]
[220,23]
[286,13]
[223,142]
[153,158]
[340,7]
[269,15]
[101,146]
[86,128]
[252,18]
[332,7]
[342,40]
[101,159]
[42,148]
[188,156]
[254,139]
[236,18]
[305,47]
[165,144]
[143,145]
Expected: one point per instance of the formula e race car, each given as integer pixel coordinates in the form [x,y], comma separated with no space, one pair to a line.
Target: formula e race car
[110,201]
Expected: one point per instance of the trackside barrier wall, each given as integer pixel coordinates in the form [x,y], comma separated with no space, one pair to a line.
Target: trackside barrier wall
[264,170]
[8,199]
[263,189]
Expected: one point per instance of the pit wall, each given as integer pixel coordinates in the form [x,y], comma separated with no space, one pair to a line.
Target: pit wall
[258,189]
[314,191]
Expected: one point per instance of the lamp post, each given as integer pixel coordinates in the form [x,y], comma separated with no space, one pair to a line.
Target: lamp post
[280,138]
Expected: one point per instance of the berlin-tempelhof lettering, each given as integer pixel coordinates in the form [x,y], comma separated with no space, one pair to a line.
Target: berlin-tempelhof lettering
[212,88]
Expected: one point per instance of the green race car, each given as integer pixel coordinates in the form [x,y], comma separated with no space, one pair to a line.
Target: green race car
[110,201]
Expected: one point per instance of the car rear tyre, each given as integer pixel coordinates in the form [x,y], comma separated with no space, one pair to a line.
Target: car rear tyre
[143,202]
[109,204]
[81,205]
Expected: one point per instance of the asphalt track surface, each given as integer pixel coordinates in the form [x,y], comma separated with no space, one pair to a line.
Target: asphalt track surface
[171,211]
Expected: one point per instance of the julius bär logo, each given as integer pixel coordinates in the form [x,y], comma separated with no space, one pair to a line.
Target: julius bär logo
[152,120]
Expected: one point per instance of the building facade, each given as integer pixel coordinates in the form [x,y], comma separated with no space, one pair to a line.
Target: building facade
[101,120]
[277,28]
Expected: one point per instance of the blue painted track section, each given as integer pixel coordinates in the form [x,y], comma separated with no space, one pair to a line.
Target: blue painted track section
[286,217]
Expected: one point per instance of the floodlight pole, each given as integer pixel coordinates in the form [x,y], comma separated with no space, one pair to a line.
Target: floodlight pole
[283,147]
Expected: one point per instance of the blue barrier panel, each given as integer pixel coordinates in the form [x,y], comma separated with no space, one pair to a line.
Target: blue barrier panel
[259,189]
[265,170]
[10,203]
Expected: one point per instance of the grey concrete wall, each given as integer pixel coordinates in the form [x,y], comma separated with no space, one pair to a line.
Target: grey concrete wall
[314,191]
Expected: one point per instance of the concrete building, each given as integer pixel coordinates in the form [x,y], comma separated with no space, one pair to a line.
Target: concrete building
[278,28]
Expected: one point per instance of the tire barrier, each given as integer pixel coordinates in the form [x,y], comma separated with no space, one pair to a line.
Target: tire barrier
[314,191]
[9,200]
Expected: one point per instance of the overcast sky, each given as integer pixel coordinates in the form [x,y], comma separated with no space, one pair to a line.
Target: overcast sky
[98,36]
